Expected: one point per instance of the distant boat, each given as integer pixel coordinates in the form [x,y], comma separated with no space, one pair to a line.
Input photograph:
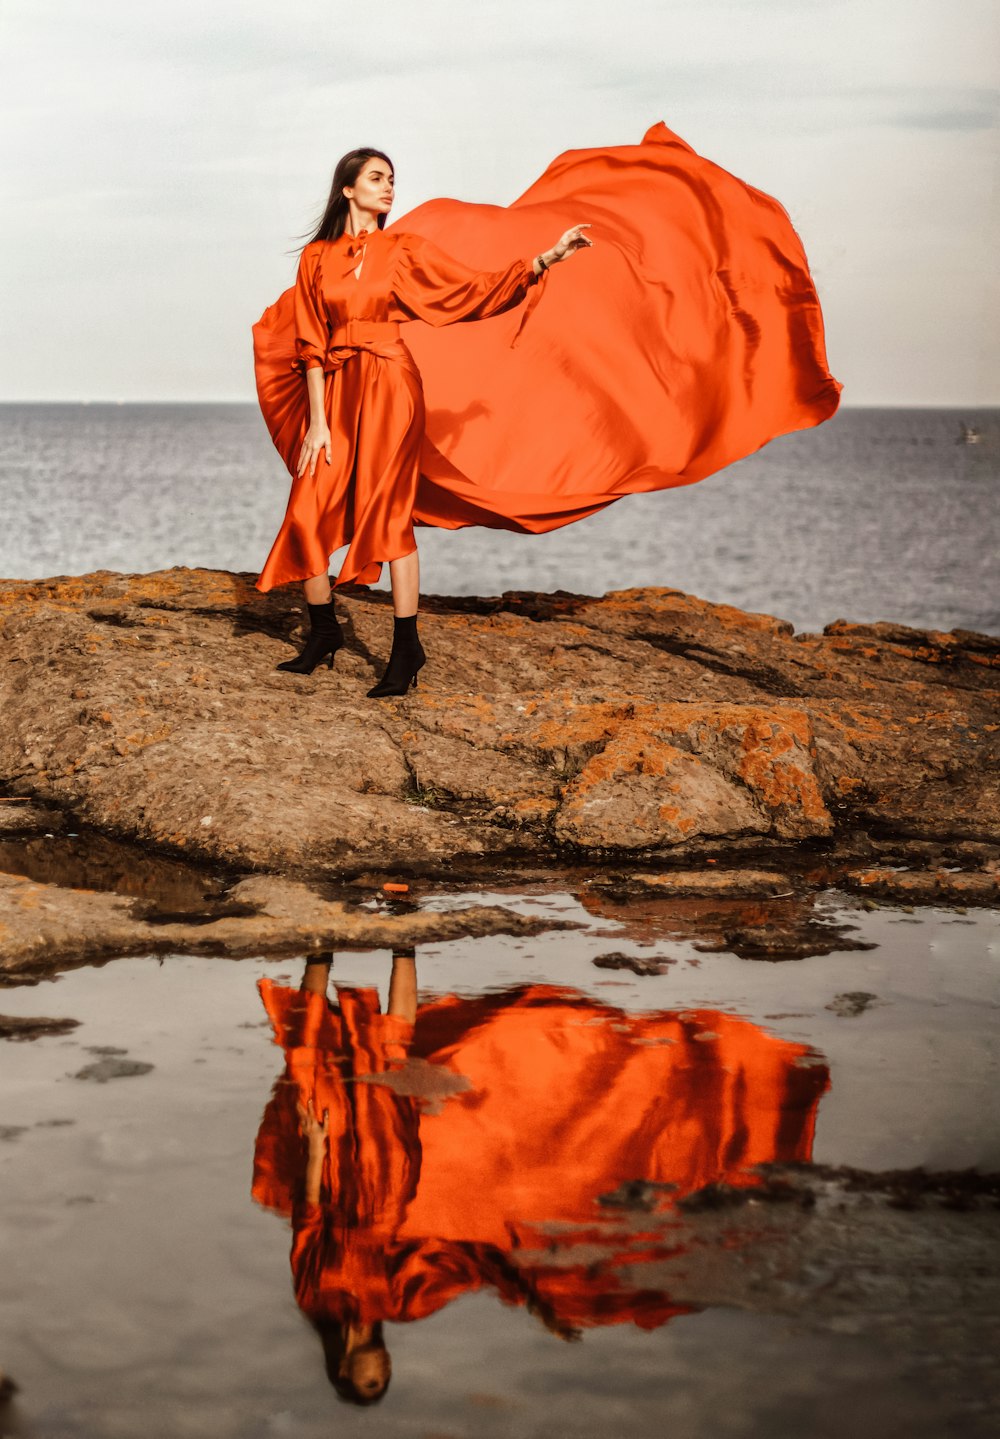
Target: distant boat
[970,435]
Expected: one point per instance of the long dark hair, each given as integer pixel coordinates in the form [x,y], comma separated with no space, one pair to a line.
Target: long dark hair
[333,1333]
[349,167]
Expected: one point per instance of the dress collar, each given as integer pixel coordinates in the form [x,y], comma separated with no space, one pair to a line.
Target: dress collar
[353,243]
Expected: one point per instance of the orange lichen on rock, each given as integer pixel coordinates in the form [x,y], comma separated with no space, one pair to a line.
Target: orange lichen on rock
[641,791]
[771,766]
[694,609]
[847,784]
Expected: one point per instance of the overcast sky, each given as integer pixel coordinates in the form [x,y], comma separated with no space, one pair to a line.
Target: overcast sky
[160,161]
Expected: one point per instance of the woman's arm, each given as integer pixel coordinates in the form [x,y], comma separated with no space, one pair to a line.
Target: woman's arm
[317,437]
[311,331]
[316,1134]
[566,245]
[440,290]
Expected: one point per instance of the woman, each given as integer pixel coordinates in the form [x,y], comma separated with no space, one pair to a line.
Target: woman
[692,336]
[357,471]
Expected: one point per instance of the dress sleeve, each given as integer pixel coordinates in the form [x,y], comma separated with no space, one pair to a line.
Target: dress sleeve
[310,323]
[431,286]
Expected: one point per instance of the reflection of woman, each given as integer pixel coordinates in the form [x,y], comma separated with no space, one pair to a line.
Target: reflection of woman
[361,1160]
[556,1101]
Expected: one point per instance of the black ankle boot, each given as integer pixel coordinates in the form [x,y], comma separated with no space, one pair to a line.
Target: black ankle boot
[325,639]
[406,659]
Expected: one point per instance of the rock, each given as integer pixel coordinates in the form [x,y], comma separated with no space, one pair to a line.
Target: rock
[47,927]
[686,883]
[20,1027]
[938,886]
[962,1189]
[112,1067]
[801,938]
[148,707]
[851,1004]
[21,816]
[636,964]
[794,924]
[641,1196]
[93,861]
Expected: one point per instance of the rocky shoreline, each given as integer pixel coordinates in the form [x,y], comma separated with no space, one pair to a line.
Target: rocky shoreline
[682,751]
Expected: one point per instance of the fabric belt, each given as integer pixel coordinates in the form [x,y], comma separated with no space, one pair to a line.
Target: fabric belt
[378,337]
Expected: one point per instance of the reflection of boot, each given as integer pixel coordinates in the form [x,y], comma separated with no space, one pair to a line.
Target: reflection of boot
[325,957]
[406,659]
[325,639]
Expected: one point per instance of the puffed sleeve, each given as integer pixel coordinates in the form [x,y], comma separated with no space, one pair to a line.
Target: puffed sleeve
[311,331]
[431,286]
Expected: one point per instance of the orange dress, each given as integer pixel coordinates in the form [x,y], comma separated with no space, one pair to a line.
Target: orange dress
[567,1098]
[685,339]
[346,320]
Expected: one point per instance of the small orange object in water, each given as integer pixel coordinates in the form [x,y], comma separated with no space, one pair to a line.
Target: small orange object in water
[396,888]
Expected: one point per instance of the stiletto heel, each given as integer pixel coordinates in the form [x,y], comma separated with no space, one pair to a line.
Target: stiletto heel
[325,639]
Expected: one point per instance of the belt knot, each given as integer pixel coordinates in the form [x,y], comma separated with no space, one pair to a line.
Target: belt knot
[378,337]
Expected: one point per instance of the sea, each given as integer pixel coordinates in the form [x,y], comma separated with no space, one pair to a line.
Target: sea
[879,514]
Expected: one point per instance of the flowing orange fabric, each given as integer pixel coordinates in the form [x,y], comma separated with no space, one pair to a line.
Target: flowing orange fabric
[685,339]
[567,1099]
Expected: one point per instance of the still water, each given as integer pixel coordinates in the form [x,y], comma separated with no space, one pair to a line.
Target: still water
[242,1196]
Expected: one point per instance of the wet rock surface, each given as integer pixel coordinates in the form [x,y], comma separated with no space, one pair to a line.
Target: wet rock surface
[794,922]
[148,707]
[21,1027]
[853,1003]
[46,927]
[113,1066]
[840,1251]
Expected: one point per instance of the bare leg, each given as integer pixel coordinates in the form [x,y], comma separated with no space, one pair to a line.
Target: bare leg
[317,589]
[403,986]
[317,974]
[405,575]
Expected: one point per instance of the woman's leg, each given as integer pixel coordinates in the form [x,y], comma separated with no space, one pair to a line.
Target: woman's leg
[317,589]
[405,576]
[325,638]
[407,656]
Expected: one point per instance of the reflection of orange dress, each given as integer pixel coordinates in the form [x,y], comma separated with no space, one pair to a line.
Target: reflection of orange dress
[688,337]
[568,1099]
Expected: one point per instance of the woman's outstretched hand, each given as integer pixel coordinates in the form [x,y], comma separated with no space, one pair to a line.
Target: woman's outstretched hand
[316,441]
[566,245]
[569,243]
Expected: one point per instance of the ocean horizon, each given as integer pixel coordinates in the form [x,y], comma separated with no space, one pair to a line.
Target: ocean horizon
[881,513]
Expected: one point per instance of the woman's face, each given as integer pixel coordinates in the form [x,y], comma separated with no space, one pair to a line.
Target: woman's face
[369,1370]
[373,189]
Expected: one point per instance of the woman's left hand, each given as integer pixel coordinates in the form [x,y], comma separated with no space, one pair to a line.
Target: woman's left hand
[316,1131]
[569,243]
